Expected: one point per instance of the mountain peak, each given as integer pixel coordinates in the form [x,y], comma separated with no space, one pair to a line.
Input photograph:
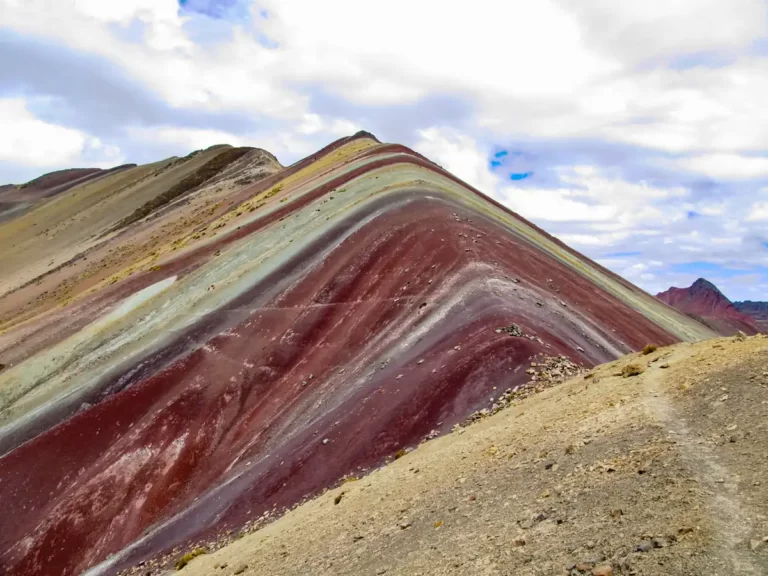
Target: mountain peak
[703,284]
[705,302]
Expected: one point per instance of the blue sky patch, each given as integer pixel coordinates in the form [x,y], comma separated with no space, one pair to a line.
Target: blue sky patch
[709,270]
[501,154]
[215,8]
[520,175]
[623,254]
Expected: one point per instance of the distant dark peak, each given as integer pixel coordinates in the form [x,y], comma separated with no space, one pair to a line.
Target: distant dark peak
[704,283]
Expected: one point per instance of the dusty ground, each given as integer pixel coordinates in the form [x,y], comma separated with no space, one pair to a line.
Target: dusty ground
[661,473]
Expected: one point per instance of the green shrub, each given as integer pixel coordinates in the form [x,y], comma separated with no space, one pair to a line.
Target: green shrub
[187,558]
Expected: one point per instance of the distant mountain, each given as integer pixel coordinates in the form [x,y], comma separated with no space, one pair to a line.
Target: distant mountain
[15,200]
[758,311]
[704,302]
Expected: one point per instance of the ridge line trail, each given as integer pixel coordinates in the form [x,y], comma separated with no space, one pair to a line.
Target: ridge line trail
[730,522]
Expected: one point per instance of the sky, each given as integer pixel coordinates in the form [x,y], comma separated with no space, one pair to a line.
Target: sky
[635,132]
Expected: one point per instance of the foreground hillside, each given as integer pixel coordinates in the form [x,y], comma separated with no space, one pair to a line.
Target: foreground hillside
[658,474]
[189,344]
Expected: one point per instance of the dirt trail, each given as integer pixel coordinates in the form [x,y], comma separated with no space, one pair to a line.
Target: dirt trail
[731,522]
[661,473]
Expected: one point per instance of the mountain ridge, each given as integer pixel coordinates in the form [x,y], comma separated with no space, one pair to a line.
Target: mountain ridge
[257,338]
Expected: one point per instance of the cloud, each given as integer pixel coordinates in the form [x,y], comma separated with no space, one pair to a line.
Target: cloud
[625,129]
[30,141]
[727,166]
[758,212]
[460,155]
[657,31]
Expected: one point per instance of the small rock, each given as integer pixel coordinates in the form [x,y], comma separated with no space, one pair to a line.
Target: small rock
[540,517]
[665,365]
[519,542]
[589,545]
[602,570]
[549,464]
[755,544]
[325,440]
[617,513]
[583,566]
[644,547]
[405,524]
[240,569]
[661,542]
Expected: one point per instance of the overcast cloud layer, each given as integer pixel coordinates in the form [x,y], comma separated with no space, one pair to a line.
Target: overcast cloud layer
[636,132]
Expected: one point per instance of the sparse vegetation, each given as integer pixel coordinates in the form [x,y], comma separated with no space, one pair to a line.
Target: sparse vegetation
[400,453]
[187,558]
[201,175]
[631,370]
[649,348]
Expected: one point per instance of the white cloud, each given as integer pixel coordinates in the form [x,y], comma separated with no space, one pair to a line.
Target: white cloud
[548,68]
[589,196]
[653,29]
[727,166]
[29,141]
[598,71]
[758,212]
[459,154]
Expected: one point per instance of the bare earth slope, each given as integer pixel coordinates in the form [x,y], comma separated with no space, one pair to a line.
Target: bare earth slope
[658,474]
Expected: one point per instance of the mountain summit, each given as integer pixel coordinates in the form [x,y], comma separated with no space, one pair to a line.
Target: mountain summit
[703,301]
